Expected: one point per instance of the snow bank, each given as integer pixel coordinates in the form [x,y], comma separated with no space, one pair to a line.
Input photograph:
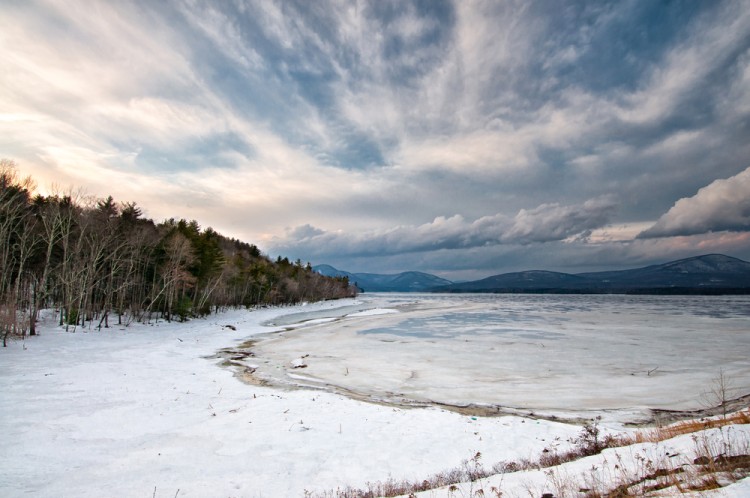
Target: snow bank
[147,410]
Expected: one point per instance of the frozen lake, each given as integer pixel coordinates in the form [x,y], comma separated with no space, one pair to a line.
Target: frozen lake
[566,355]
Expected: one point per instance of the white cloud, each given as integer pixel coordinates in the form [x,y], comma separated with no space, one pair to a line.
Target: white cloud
[550,222]
[722,205]
[546,223]
[687,65]
[620,232]
[87,104]
[223,32]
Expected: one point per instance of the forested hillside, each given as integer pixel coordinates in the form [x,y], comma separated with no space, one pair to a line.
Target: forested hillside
[96,260]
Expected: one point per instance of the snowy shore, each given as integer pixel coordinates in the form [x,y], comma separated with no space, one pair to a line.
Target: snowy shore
[124,411]
[148,410]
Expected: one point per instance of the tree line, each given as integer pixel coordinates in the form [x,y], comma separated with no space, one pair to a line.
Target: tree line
[96,260]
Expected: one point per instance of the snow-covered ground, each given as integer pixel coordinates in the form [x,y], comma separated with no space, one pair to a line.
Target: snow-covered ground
[661,464]
[148,411]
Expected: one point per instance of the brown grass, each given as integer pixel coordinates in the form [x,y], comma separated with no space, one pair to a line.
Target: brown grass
[470,471]
[690,427]
[716,464]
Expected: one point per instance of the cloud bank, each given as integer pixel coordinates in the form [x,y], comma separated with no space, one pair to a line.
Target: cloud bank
[722,205]
[545,223]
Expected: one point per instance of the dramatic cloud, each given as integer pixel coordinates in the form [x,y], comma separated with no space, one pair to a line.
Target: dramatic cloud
[551,222]
[546,223]
[722,205]
[364,119]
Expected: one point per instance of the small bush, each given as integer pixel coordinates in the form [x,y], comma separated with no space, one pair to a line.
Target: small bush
[183,308]
[72,316]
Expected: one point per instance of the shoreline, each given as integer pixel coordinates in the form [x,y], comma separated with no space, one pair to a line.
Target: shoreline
[311,351]
[154,401]
[652,417]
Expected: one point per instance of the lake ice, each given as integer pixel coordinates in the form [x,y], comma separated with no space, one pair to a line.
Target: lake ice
[550,354]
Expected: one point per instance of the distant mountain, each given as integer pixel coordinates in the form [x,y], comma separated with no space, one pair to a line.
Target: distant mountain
[709,274]
[330,271]
[410,281]
[523,281]
[709,271]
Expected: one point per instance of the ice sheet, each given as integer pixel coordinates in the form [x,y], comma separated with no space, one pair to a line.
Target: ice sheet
[555,354]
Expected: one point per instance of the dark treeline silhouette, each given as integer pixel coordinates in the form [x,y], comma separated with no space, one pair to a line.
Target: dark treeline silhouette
[96,260]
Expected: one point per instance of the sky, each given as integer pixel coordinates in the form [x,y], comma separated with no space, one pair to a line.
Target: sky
[460,138]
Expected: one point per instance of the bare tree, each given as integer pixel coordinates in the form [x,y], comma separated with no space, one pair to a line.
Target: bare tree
[17,243]
[721,393]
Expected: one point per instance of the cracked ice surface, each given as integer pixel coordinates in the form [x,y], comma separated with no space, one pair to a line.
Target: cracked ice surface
[554,354]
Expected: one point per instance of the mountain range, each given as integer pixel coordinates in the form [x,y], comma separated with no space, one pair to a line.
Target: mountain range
[409,281]
[707,274]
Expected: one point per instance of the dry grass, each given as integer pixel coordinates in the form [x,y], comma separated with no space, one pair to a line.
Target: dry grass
[690,427]
[470,471]
[720,459]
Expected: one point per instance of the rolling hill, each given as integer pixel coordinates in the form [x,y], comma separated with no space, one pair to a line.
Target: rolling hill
[410,281]
[708,274]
